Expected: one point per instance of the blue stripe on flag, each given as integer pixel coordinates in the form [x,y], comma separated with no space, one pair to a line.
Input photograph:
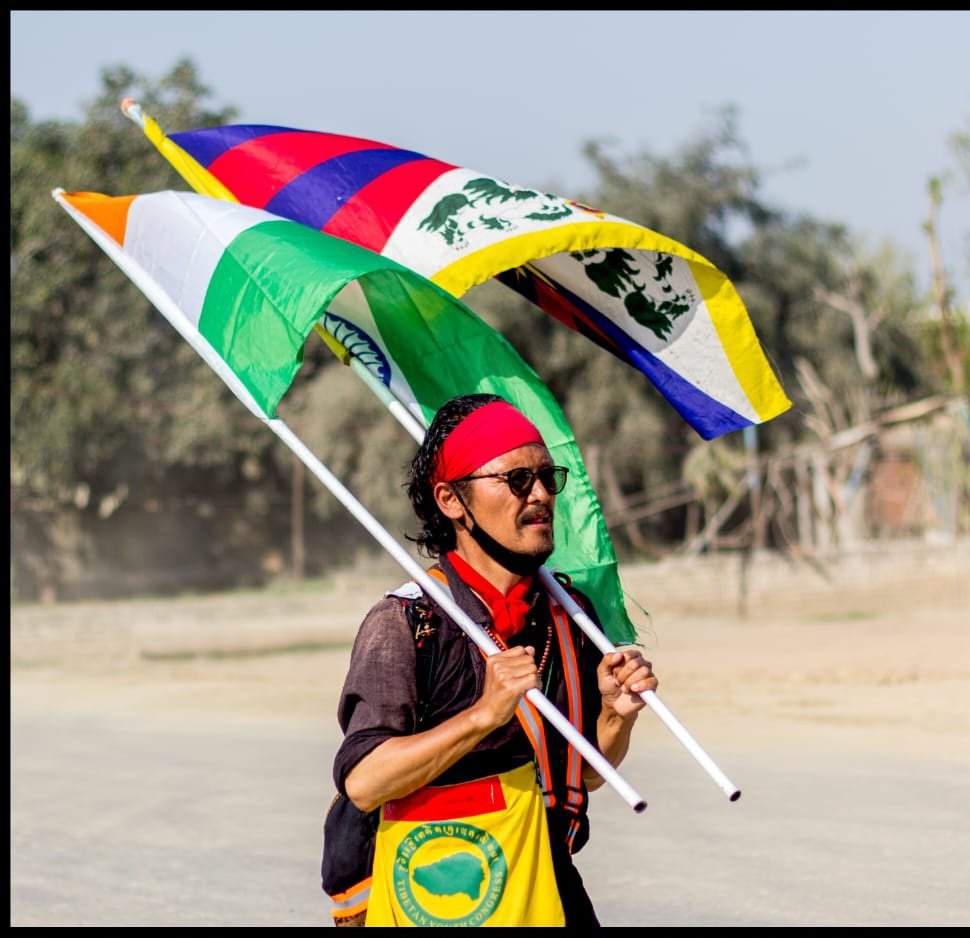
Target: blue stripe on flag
[708,416]
[207,145]
[316,195]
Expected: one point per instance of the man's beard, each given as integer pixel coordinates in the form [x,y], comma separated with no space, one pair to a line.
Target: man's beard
[517,562]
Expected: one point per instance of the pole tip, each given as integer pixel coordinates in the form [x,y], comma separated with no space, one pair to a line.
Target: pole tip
[734,795]
[640,807]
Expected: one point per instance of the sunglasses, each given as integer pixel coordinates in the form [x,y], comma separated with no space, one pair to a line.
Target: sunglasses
[521,480]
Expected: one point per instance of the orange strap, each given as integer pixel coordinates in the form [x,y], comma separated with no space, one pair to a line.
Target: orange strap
[353,901]
[534,726]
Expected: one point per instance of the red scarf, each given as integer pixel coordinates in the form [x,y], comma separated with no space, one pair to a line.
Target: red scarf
[509,611]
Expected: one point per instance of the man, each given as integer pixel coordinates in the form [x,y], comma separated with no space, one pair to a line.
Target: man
[482,805]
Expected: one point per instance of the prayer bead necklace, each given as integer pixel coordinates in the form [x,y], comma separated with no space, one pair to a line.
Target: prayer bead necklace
[547,651]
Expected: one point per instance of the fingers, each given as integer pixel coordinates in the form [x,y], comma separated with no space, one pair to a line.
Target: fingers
[514,668]
[630,671]
[508,675]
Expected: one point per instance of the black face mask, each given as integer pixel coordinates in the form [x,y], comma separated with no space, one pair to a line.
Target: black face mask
[514,561]
[518,563]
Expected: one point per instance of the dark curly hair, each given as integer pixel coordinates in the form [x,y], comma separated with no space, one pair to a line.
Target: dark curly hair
[437,535]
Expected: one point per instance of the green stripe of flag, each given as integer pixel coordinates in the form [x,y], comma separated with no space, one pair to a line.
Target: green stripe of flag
[276,279]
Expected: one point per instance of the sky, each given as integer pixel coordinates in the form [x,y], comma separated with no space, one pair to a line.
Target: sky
[847,114]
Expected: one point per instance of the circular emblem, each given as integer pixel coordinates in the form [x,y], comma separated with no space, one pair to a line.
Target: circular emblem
[449,873]
[359,343]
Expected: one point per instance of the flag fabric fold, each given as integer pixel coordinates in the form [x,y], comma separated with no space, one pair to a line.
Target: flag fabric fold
[647,299]
[254,285]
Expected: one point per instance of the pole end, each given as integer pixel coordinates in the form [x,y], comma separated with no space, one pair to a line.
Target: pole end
[132,110]
[640,807]
[734,795]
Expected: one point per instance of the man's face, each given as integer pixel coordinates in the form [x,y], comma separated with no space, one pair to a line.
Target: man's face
[519,523]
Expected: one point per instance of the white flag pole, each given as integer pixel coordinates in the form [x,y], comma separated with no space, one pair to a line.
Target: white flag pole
[474,631]
[133,111]
[649,697]
[170,310]
[573,609]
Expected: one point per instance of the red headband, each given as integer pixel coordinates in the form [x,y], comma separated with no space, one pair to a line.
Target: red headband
[484,434]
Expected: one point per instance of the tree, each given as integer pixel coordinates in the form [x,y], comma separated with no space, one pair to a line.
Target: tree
[950,334]
[118,428]
[109,406]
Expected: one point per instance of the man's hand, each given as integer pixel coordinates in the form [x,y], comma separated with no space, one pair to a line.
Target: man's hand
[623,675]
[508,675]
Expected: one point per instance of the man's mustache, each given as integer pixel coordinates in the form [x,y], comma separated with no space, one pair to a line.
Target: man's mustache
[535,514]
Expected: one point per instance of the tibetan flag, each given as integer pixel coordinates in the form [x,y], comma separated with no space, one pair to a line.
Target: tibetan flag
[247,288]
[645,298]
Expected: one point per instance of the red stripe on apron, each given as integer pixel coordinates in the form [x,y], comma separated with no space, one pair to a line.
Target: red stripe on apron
[445,802]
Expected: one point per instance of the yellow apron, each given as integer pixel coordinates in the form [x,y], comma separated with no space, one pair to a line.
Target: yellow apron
[471,854]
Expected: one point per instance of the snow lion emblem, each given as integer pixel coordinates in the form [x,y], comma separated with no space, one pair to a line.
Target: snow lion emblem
[489,205]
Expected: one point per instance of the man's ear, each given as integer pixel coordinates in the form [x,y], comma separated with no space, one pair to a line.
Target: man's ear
[448,502]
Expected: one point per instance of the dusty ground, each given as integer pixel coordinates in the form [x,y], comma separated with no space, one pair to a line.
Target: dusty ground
[170,760]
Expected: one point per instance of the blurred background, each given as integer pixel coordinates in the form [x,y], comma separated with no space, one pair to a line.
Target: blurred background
[135,472]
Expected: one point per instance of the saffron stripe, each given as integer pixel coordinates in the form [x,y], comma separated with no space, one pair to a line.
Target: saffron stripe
[109,213]
[448,802]
[370,216]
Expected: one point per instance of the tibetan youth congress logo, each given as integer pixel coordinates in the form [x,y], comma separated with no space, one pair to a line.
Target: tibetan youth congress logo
[449,873]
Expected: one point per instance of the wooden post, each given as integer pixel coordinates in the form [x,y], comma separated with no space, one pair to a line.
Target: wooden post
[754,486]
[296,522]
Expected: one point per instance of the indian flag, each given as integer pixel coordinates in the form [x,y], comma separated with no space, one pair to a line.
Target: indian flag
[246,288]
